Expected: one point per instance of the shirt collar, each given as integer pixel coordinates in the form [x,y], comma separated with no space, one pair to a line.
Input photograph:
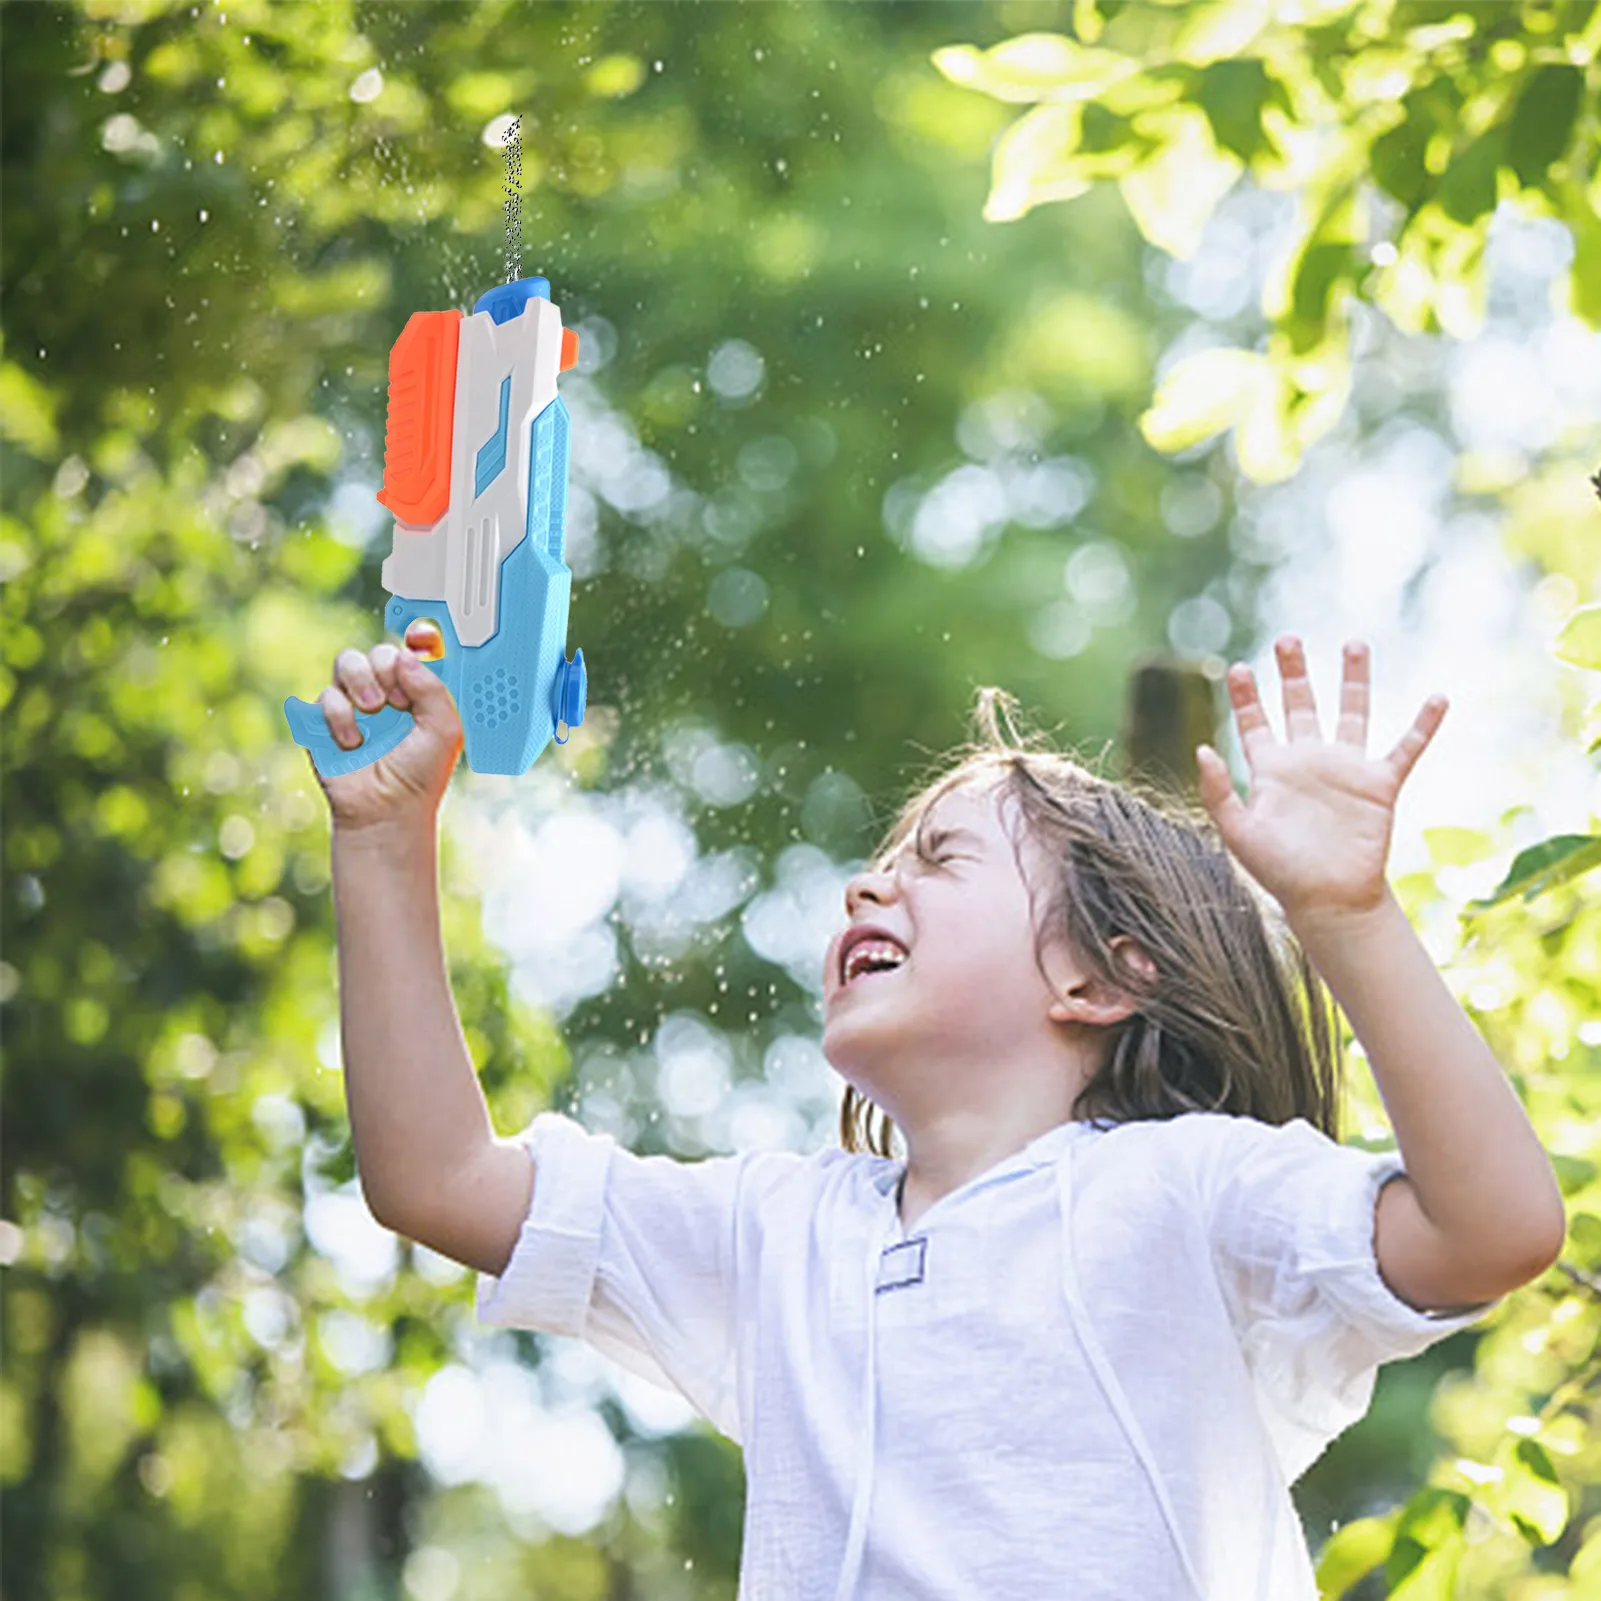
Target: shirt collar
[1039,1152]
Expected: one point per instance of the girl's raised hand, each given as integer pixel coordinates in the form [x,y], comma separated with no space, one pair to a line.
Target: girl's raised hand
[1314,830]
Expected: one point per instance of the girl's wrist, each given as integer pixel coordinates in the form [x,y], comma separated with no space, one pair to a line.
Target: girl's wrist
[1315,925]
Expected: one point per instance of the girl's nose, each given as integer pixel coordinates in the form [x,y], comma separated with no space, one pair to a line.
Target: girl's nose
[858,885]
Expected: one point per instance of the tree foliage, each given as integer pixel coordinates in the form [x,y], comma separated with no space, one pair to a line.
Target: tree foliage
[1398,124]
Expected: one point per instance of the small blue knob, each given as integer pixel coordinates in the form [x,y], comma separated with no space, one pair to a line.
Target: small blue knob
[506,301]
[574,691]
[572,684]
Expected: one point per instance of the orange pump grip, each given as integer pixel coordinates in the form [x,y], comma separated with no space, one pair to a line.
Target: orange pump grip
[422,411]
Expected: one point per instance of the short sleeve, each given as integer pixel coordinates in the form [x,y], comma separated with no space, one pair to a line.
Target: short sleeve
[1291,1216]
[632,1254]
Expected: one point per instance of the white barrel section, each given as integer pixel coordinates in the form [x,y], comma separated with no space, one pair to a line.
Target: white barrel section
[457,560]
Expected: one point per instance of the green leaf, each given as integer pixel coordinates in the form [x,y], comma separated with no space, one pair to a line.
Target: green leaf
[1574,1173]
[1324,266]
[1541,867]
[1353,1552]
[1102,132]
[1542,122]
[1202,395]
[1034,66]
[1534,1499]
[1580,639]
[1172,194]
[1422,1565]
[1150,90]
[1431,1576]
[1468,188]
[1036,162]
[1217,29]
[1397,160]
[1233,94]
[1534,1456]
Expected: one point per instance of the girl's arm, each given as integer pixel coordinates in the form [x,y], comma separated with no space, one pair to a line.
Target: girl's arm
[1480,1211]
[430,1165]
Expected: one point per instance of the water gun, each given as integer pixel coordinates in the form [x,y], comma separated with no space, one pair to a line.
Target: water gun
[475,474]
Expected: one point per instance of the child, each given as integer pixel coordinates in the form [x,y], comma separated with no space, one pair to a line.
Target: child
[1126,1285]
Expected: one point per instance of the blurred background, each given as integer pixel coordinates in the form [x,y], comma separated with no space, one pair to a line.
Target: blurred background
[922,347]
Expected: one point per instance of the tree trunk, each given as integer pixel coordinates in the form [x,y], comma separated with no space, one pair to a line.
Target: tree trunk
[1170,710]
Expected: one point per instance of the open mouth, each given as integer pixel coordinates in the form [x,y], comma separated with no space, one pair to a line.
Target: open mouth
[871,972]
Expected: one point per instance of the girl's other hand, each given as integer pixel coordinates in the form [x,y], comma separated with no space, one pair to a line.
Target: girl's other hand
[1314,830]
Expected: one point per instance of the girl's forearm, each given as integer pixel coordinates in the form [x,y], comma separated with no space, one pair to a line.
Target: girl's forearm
[417,1113]
[1480,1172]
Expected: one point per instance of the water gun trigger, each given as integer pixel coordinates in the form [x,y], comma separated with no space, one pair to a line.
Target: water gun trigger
[381,731]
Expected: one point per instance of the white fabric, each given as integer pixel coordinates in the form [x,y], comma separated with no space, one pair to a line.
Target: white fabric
[1095,1368]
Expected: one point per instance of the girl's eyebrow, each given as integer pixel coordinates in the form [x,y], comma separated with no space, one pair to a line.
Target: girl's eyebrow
[937,832]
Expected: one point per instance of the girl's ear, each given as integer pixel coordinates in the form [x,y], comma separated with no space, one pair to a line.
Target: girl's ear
[1134,955]
[1080,998]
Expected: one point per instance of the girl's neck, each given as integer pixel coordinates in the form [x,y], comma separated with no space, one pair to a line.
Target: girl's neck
[960,1157]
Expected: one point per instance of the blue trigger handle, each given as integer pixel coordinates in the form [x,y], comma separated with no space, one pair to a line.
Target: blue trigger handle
[382,730]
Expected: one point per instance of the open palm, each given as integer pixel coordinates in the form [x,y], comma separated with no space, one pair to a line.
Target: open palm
[1314,830]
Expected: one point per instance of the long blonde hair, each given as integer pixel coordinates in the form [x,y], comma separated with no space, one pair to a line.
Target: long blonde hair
[1235,1020]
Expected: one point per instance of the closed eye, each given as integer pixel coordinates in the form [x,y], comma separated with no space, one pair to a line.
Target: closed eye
[933,838]
[936,838]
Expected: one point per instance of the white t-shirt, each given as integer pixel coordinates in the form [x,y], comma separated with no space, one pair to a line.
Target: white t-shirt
[1021,1409]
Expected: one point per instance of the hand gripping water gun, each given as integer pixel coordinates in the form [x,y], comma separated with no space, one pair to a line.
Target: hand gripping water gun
[475,473]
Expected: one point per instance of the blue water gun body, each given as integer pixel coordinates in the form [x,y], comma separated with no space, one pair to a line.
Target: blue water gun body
[475,473]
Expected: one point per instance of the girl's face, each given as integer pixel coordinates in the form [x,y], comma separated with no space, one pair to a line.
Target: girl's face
[967,1013]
